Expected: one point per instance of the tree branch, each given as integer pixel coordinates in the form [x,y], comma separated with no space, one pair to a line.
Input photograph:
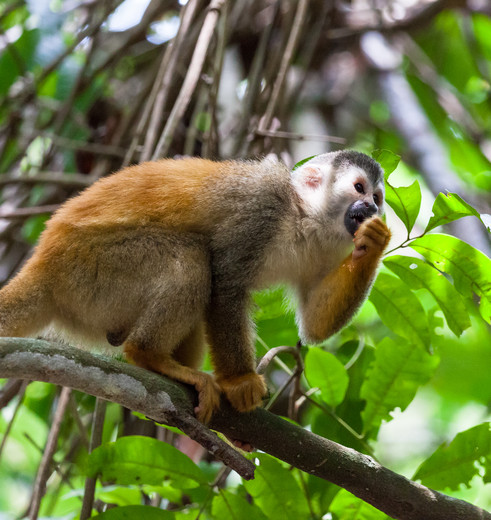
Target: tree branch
[166,401]
[158,398]
[191,79]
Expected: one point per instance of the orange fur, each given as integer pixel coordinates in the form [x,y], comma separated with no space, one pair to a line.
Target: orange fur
[244,392]
[171,193]
[208,389]
[153,256]
[333,301]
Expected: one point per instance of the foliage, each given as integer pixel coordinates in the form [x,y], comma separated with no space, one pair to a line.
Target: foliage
[420,346]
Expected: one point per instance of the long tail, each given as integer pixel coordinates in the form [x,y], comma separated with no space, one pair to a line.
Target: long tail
[25,306]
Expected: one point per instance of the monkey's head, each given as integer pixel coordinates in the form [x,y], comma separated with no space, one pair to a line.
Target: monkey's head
[341,189]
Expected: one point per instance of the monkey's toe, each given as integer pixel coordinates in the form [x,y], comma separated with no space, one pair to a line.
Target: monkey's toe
[244,446]
[244,392]
[209,398]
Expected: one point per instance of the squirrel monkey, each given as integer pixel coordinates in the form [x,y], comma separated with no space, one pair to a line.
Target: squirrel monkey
[161,258]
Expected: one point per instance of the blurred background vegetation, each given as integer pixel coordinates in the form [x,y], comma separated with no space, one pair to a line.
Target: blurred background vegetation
[89,86]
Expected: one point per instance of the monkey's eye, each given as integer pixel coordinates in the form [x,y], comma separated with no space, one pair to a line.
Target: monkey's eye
[376,198]
[359,187]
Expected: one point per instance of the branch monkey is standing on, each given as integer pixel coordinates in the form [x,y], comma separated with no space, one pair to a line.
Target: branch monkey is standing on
[161,258]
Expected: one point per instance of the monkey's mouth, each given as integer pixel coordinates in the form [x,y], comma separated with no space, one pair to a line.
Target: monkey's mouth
[353,221]
[355,215]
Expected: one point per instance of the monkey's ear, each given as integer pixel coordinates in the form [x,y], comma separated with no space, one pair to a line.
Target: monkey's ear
[312,177]
[308,177]
[308,181]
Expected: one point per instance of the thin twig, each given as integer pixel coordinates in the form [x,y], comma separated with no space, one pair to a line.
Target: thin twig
[78,420]
[421,16]
[44,466]
[280,390]
[148,107]
[210,143]
[292,376]
[166,74]
[95,441]
[254,83]
[95,148]
[360,438]
[271,354]
[192,130]
[291,46]
[20,392]
[191,79]
[29,212]
[72,180]
[26,94]
[301,137]
[277,360]
[9,390]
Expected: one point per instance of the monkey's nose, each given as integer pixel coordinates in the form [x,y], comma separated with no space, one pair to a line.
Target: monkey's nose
[371,208]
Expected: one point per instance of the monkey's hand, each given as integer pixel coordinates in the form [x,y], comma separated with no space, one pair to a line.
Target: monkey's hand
[244,392]
[371,238]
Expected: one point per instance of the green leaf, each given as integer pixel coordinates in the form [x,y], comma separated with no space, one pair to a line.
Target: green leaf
[392,380]
[469,268]
[22,54]
[234,507]
[121,496]
[270,303]
[302,162]
[143,460]
[132,512]
[48,86]
[325,371]
[418,274]
[203,121]
[379,112]
[405,201]
[387,159]
[457,463]
[143,417]
[33,227]
[449,207]
[165,490]
[400,309]
[477,89]
[278,331]
[348,507]
[276,492]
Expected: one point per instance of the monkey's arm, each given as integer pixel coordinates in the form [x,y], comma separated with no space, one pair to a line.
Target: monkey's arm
[327,307]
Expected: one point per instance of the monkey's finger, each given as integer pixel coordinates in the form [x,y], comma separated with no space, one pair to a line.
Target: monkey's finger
[375,223]
[379,234]
[374,237]
[379,227]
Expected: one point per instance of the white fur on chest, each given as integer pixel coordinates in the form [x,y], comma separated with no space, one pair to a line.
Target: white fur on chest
[296,259]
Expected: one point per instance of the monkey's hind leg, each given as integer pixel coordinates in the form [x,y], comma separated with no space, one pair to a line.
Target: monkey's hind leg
[166,364]
[168,334]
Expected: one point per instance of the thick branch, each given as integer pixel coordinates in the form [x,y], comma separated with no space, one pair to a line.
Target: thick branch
[166,401]
[158,398]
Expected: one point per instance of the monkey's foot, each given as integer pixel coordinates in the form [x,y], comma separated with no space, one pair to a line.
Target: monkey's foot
[244,392]
[209,398]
